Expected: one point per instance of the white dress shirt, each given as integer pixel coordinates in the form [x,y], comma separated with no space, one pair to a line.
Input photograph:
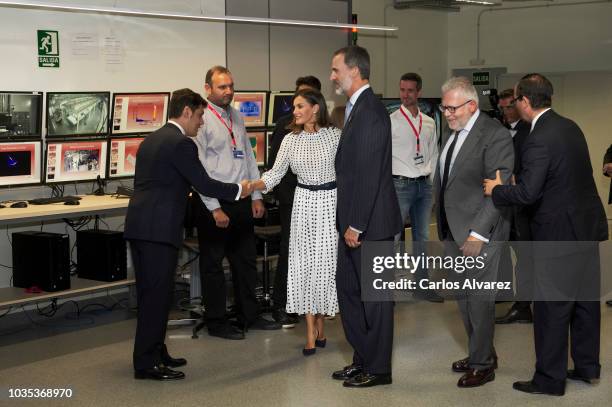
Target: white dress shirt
[512,129]
[404,144]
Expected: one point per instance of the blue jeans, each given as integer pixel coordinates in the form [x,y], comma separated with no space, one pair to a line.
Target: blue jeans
[415,200]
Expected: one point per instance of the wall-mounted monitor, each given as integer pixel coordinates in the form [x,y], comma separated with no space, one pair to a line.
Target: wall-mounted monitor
[258,142]
[122,156]
[77,114]
[20,115]
[20,163]
[138,113]
[72,161]
[281,104]
[391,104]
[252,107]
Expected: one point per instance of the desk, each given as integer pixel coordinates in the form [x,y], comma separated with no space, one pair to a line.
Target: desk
[90,205]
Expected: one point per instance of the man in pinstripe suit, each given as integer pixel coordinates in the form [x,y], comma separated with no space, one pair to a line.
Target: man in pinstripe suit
[367,210]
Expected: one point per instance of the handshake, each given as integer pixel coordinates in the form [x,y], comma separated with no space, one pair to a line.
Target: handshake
[248,187]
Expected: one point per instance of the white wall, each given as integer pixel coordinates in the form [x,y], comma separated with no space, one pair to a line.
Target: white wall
[158,55]
[420,45]
[551,39]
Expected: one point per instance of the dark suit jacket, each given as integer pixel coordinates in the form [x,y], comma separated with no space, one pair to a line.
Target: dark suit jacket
[522,132]
[608,159]
[366,196]
[520,214]
[167,165]
[285,190]
[557,180]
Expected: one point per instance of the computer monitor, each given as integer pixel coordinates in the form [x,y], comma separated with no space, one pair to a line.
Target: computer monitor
[391,104]
[77,114]
[122,156]
[281,104]
[258,142]
[139,113]
[20,115]
[252,107]
[72,161]
[20,163]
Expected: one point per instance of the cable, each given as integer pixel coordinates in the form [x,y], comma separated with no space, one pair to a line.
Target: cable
[7,312]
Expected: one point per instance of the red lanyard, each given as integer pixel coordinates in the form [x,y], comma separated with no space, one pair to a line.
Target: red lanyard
[229,128]
[417,134]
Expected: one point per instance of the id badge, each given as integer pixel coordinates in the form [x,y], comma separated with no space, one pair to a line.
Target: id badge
[238,154]
[418,159]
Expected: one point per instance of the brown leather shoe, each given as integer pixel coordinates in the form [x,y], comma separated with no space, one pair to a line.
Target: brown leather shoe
[475,378]
[463,365]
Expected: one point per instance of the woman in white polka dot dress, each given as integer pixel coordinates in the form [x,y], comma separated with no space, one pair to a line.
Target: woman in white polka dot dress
[310,151]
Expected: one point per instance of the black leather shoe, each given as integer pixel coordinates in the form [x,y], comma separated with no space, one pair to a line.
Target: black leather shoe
[280,316]
[514,315]
[475,378]
[158,373]
[572,375]
[263,324]
[169,361]
[367,380]
[463,365]
[530,387]
[226,332]
[348,372]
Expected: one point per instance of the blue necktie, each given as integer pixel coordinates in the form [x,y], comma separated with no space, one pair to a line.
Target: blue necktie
[347,111]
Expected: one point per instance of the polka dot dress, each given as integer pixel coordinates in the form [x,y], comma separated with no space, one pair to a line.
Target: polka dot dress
[313,243]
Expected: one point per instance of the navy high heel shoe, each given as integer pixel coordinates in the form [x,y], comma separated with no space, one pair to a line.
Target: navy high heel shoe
[309,351]
[320,343]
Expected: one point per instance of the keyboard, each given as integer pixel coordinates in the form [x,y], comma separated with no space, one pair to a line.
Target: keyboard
[57,199]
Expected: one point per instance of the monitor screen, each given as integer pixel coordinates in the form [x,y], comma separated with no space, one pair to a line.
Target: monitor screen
[281,104]
[258,142]
[71,161]
[139,113]
[20,163]
[391,104]
[252,107]
[78,114]
[122,161]
[20,115]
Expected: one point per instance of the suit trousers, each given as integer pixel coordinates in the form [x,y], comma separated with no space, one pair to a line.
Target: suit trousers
[477,307]
[154,265]
[237,243]
[368,326]
[279,294]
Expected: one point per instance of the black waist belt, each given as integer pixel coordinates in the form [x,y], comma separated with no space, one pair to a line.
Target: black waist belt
[422,177]
[323,187]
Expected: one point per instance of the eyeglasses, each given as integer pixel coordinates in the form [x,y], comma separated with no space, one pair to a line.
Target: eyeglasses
[516,99]
[452,109]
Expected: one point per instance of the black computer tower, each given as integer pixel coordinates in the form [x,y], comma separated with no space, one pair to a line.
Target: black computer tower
[41,259]
[101,255]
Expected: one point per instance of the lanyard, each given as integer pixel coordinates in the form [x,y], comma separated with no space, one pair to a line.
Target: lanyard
[229,128]
[416,134]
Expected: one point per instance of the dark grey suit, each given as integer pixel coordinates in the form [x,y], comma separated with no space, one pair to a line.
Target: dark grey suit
[487,148]
[367,202]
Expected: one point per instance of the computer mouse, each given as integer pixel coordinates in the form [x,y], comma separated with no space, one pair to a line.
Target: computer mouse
[72,202]
[19,205]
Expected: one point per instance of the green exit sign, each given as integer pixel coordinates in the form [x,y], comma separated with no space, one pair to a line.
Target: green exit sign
[480,78]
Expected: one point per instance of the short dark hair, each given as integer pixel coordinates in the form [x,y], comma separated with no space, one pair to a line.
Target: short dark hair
[313,97]
[537,88]
[184,97]
[413,76]
[310,81]
[506,93]
[217,69]
[356,56]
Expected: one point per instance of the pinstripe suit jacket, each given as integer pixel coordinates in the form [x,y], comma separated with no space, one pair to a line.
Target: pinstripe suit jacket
[366,196]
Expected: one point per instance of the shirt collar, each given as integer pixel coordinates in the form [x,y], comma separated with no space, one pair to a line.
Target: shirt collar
[219,109]
[177,125]
[356,95]
[470,123]
[513,124]
[409,113]
[535,119]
